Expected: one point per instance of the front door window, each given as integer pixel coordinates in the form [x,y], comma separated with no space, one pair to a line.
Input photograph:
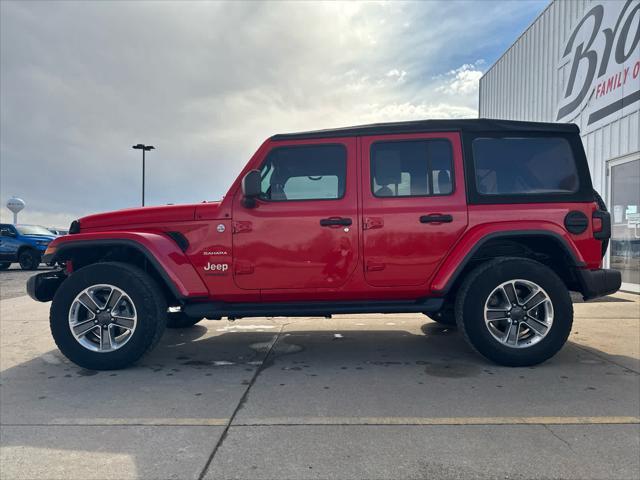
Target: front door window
[310,172]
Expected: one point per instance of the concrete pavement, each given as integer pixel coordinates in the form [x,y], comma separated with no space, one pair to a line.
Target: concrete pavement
[375,396]
[13,281]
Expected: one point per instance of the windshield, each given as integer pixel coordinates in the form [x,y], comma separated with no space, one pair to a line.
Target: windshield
[33,230]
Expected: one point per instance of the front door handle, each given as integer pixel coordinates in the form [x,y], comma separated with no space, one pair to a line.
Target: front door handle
[436,218]
[375,266]
[335,222]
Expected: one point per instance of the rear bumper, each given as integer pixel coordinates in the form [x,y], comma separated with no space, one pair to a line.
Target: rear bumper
[597,283]
[42,287]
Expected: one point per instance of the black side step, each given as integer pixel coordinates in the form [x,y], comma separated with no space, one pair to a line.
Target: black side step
[216,310]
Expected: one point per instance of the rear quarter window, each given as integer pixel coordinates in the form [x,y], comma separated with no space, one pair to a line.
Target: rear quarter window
[524,166]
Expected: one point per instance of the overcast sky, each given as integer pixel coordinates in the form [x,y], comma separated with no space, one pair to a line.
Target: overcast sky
[206,83]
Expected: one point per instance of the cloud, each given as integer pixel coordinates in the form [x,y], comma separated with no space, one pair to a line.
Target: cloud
[206,83]
[408,111]
[397,75]
[462,80]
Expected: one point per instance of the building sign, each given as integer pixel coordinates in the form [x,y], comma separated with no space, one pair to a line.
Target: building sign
[600,64]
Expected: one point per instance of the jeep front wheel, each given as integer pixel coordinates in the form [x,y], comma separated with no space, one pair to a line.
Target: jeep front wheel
[516,312]
[105,316]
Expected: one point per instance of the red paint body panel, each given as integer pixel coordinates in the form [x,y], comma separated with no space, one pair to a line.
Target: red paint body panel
[210,211]
[139,216]
[209,246]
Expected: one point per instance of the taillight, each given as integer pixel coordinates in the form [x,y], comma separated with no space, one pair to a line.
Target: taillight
[601,225]
[597,224]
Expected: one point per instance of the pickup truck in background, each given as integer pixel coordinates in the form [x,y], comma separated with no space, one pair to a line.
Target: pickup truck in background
[23,244]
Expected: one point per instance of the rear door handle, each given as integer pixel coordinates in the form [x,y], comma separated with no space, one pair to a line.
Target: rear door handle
[436,218]
[335,222]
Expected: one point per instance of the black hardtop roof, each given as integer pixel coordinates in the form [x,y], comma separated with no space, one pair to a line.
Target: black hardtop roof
[418,126]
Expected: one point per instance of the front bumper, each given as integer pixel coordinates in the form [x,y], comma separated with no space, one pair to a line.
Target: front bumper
[39,248]
[598,283]
[42,287]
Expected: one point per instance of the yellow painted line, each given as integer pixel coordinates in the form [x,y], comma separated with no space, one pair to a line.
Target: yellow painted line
[107,422]
[336,421]
[437,421]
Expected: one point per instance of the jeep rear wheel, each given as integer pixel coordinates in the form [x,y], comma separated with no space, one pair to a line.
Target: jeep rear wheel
[516,312]
[29,259]
[107,315]
[180,320]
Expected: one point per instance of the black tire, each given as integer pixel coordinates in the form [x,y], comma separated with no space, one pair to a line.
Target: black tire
[29,259]
[180,320]
[446,316]
[4,265]
[144,292]
[475,291]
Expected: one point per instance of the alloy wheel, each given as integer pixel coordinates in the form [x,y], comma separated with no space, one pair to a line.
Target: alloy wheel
[518,313]
[102,318]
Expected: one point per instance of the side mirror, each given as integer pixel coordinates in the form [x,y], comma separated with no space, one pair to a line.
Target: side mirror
[251,188]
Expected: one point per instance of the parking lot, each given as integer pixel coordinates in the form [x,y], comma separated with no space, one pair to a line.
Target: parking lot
[373,396]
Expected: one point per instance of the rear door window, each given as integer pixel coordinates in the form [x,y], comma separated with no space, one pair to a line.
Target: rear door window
[411,168]
[524,166]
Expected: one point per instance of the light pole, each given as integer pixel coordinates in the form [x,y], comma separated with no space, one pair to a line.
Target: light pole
[144,148]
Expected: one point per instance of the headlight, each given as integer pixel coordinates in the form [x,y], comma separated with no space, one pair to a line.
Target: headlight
[44,243]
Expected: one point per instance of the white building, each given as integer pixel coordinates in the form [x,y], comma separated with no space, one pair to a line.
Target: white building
[579,62]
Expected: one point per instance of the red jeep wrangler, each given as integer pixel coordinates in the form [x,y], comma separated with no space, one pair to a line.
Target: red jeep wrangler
[483,224]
